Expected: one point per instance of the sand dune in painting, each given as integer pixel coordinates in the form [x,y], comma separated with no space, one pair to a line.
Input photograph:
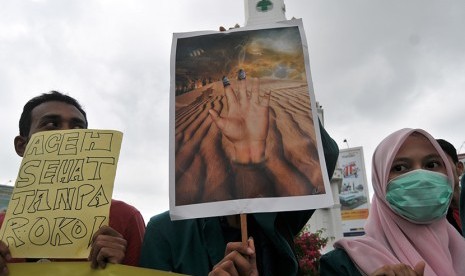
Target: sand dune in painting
[203,170]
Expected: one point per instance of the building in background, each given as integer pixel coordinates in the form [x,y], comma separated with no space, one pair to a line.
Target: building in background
[264,11]
[353,193]
[261,12]
[5,195]
[347,217]
[329,219]
[461,157]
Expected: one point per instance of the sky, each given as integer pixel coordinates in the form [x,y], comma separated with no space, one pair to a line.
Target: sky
[377,66]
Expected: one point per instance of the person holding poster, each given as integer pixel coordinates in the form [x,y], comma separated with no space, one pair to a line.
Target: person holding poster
[244,139]
[197,246]
[119,242]
[406,232]
[453,213]
[462,202]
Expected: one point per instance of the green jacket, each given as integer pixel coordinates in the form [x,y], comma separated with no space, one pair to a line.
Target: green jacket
[194,246]
[337,262]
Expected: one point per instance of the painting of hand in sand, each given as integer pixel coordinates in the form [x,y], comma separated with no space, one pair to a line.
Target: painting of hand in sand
[243,124]
[246,123]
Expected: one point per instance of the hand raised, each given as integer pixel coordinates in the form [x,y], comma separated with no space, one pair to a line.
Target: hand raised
[247,121]
[5,256]
[239,259]
[108,246]
[400,270]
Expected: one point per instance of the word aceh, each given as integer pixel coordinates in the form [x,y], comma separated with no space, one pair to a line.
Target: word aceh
[69,143]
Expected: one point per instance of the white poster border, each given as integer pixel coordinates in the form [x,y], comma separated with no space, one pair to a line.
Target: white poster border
[254,205]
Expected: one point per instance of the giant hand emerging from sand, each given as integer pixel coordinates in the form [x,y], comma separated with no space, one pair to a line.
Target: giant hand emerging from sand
[246,124]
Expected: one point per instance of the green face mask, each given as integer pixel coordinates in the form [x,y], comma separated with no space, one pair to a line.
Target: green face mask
[420,196]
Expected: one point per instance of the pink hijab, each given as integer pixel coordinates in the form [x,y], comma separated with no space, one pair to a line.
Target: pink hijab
[391,239]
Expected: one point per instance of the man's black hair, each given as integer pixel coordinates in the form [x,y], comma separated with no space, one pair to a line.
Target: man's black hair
[449,149]
[26,118]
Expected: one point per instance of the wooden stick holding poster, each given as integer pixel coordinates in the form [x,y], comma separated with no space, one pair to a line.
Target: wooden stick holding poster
[244,135]
[62,193]
[244,229]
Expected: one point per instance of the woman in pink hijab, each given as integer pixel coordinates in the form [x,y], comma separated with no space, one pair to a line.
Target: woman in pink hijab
[406,231]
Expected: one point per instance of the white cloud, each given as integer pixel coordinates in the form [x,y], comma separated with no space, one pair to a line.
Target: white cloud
[377,66]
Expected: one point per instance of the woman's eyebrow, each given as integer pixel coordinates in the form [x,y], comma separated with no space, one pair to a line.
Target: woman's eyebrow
[433,155]
[400,159]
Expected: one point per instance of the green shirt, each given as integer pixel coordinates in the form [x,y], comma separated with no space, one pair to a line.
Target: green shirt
[194,246]
[337,262]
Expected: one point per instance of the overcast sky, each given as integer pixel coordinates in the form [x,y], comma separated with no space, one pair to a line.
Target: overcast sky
[377,66]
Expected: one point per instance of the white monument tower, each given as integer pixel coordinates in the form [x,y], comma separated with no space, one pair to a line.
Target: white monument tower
[259,12]
[264,11]
[329,218]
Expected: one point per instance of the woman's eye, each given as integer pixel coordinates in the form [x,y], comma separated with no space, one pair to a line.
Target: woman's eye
[433,165]
[398,168]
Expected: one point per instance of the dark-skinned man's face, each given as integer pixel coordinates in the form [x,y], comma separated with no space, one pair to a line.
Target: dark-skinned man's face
[53,115]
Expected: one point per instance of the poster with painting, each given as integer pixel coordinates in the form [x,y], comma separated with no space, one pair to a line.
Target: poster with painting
[244,132]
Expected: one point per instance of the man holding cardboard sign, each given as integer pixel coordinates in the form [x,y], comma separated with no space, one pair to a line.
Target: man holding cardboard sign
[117,243]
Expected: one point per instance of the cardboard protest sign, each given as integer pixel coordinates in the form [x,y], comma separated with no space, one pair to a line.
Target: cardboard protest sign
[81,269]
[244,133]
[62,194]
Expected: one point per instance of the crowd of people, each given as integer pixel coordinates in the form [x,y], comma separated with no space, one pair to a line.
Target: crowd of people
[414,225]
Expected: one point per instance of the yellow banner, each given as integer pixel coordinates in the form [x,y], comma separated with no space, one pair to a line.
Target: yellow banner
[62,194]
[80,269]
[354,214]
